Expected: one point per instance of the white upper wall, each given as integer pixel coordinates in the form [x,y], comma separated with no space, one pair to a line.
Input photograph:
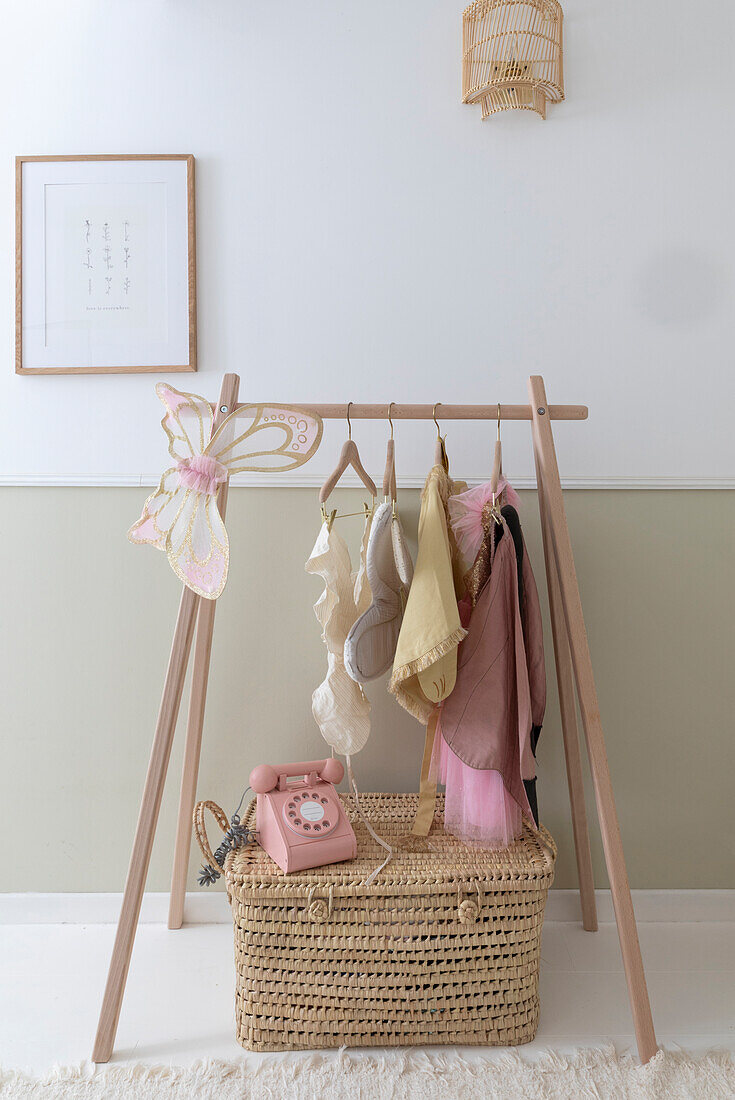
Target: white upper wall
[362,235]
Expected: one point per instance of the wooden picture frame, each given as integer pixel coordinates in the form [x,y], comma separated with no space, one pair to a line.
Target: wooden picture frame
[129,340]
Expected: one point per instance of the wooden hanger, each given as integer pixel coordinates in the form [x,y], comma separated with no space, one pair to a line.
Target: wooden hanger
[495,477]
[497,462]
[349,456]
[389,477]
[440,450]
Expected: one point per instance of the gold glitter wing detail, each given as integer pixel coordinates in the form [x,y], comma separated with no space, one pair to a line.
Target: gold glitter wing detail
[187,423]
[266,439]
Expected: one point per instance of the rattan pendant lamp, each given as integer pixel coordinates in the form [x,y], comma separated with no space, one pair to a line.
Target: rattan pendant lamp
[512,55]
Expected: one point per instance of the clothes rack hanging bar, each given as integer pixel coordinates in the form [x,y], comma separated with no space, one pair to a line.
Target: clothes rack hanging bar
[573,667]
[443,412]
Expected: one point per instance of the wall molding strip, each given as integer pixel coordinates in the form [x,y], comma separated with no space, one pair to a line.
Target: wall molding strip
[714,906]
[310,481]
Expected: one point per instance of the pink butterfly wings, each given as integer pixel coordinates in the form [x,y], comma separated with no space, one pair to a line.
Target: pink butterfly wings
[181,517]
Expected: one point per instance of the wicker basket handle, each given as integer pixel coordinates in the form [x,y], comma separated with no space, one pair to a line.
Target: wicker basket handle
[200,831]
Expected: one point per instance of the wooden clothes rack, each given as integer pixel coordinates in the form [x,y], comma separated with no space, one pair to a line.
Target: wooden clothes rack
[573,669]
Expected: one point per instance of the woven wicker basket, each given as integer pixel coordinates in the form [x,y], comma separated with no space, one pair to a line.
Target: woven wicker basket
[443,947]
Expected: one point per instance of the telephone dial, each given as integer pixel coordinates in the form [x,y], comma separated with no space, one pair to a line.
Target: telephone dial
[302,824]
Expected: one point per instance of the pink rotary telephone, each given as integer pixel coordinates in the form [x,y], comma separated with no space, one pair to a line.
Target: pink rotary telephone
[302,824]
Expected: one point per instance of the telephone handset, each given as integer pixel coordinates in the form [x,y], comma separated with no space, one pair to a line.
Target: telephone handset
[302,824]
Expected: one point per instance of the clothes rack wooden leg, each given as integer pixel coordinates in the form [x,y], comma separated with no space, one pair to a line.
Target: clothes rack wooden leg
[147,818]
[589,708]
[197,703]
[192,751]
[572,754]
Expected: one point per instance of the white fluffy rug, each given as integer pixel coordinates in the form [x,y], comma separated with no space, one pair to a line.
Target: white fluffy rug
[593,1074]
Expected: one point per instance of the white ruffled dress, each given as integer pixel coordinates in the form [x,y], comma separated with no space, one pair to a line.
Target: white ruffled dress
[339,705]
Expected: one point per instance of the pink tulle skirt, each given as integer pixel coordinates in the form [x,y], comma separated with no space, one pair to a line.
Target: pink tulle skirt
[477,807]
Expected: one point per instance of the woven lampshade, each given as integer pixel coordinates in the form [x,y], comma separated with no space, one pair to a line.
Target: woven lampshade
[512,55]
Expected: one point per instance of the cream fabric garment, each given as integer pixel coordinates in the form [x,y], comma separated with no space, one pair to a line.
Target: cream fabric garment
[371,643]
[425,666]
[339,705]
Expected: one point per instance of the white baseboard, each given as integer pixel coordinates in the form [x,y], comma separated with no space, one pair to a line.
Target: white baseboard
[212,908]
[649,905]
[200,908]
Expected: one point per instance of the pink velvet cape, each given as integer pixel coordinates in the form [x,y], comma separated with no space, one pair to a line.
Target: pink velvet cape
[500,691]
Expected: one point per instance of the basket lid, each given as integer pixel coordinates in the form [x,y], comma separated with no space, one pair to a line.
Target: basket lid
[436,859]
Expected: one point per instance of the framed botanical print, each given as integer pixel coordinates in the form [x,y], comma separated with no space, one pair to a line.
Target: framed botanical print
[105,264]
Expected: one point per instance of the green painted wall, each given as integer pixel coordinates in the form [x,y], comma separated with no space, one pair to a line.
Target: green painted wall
[87,627]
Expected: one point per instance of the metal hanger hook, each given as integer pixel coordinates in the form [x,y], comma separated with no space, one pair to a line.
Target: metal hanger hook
[349,424]
[390,421]
[498,422]
[433,417]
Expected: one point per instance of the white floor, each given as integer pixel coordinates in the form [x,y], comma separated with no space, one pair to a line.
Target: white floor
[179,1001]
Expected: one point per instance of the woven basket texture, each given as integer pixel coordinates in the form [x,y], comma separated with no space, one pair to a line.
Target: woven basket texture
[442,947]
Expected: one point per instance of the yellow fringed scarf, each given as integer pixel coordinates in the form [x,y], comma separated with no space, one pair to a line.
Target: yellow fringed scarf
[425,666]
